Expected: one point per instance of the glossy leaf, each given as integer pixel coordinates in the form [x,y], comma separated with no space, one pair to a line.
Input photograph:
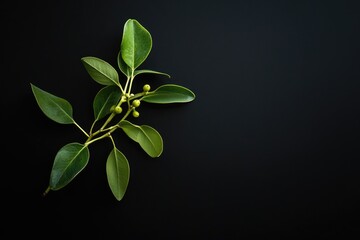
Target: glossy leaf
[125,69]
[147,137]
[55,108]
[136,44]
[169,93]
[104,100]
[100,71]
[69,161]
[137,72]
[118,173]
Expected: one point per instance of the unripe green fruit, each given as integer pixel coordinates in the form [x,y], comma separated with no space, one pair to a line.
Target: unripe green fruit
[146,87]
[135,113]
[136,103]
[118,110]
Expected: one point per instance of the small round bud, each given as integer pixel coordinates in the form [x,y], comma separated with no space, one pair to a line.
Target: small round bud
[136,103]
[146,87]
[135,113]
[118,110]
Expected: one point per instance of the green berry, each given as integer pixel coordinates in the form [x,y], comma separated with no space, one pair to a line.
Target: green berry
[118,110]
[136,103]
[135,113]
[146,87]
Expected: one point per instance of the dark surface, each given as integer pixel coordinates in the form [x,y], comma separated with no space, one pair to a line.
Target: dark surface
[269,148]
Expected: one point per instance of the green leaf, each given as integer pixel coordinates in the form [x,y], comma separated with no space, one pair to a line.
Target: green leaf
[100,71]
[104,100]
[55,108]
[125,69]
[118,173]
[147,137]
[136,44]
[137,72]
[169,93]
[69,161]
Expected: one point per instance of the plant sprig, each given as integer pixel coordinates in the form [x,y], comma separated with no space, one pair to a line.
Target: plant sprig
[113,104]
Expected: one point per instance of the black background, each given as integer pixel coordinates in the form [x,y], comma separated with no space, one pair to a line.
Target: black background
[269,147]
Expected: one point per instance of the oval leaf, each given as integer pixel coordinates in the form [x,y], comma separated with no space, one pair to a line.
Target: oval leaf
[147,137]
[100,71]
[55,108]
[69,161]
[137,72]
[118,173]
[169,93]
[136,44]
[104,100]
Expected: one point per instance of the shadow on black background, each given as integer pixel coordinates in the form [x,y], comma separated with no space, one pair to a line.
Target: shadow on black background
[270,146]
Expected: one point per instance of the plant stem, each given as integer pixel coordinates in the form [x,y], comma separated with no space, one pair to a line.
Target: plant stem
[126,84]
[110,130]
[87,143]
[81,129]
[131,81]
[126,114]
[46,191]
[92,126]
[112,115]
[121,89]
[137,95]
[112,140]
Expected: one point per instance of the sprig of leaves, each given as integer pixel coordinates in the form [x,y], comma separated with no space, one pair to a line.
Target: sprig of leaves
[113,100]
